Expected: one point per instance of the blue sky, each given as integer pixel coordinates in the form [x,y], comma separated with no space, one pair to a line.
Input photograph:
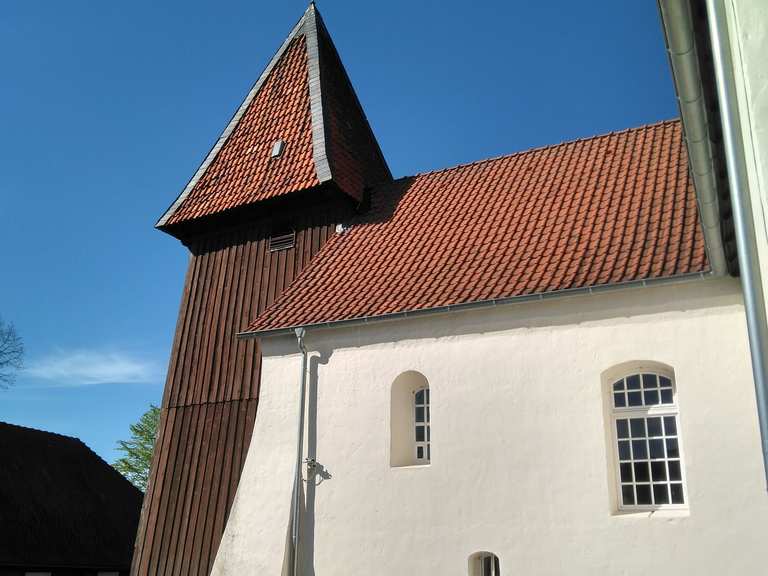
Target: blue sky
[107,109]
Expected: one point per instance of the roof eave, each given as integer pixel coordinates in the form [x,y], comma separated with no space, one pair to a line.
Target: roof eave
[478,304]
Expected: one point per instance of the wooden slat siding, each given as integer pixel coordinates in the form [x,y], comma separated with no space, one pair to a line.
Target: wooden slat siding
[177,335]
[170,480]
[183,499]
[225,472]
[196,300]
[228,335]
[207,351]
[212,380]
[148,517]
[234,388]
[237,446]
[249,348]
[290,257]
[176,486]
[190,495]
[236,307]
[203,363]
[198,524]
[152,499]
[185,384]
[211,396]
[178,353]
[223,335]
[214,484]
[194,479]
[206,465]
[272,281]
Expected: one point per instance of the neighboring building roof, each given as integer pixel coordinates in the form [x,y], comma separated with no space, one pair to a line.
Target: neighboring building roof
[61,505]
[304,99]
[610,209]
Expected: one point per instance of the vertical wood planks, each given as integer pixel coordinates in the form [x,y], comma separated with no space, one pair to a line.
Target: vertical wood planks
[211,394]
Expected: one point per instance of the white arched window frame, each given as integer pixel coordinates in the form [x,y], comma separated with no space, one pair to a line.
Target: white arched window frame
[410,421]
[647,447]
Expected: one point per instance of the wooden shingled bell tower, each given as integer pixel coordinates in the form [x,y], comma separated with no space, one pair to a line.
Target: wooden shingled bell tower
[296,159]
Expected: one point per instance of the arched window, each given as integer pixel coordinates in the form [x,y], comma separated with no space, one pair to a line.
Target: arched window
[484,564]
[646,439]
[410,430]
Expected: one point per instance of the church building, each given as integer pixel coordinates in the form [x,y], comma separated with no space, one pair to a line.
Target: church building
[523,365]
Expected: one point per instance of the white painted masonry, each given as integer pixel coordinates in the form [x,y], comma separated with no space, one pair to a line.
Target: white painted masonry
[748,38]
[520,451]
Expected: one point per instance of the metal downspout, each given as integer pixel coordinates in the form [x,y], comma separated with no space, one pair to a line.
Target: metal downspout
[298,479]
[754,302]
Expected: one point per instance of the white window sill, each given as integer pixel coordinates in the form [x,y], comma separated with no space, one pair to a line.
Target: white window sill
[660,513]
[410,466]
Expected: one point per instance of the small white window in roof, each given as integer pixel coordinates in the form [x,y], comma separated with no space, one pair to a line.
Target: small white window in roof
[277,148]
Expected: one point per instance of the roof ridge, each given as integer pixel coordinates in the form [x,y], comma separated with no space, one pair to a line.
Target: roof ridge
[544,147]
[38,430]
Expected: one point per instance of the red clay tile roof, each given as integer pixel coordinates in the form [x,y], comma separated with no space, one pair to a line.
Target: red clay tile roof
[305,99]
[353,153]
[609,209]
[243,171]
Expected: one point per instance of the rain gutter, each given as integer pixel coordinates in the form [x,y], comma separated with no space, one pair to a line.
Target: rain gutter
[681,49]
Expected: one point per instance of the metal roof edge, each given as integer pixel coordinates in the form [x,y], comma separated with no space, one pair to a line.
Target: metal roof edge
[319,150]
[478,304]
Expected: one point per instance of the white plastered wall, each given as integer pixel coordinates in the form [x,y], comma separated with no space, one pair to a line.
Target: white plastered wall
[748,37]
[520,460]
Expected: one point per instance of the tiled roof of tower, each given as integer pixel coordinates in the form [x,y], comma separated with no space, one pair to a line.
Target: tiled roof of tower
[244,171]
[304,99]
[610,209]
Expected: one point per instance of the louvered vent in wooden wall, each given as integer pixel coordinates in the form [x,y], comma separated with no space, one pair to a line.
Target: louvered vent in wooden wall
[282,241]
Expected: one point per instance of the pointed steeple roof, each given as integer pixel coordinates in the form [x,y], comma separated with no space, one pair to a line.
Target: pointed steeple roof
[300,126]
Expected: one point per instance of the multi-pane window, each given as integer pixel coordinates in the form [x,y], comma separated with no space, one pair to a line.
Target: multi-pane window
[647,442]
[421,424]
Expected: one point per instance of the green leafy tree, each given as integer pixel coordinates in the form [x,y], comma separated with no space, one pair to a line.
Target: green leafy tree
[11,354]
[134,465]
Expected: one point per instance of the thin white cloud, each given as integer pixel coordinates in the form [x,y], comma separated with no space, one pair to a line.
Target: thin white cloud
[88,367]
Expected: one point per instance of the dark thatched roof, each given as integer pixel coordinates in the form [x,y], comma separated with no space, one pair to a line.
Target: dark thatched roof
[61,505]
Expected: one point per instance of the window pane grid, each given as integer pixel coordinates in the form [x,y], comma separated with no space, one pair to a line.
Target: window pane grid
[642,390]
[421,418]
[650,469]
